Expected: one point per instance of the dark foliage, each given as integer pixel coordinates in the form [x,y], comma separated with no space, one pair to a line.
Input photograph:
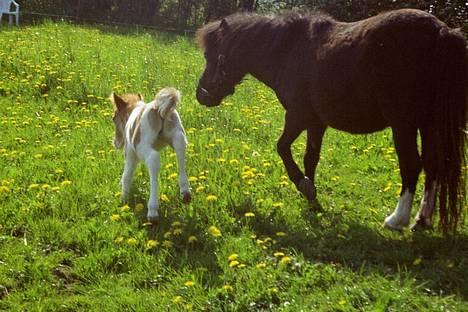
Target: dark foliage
[191,13]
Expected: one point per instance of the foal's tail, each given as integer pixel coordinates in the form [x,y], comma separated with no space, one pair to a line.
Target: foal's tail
[449,117]
[166,101]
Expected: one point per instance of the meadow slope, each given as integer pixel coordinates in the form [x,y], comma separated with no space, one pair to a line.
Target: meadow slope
[247,242]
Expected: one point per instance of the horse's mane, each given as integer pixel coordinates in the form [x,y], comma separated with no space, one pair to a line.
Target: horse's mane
[284,26]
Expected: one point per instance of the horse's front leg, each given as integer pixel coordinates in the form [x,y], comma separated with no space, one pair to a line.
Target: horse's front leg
[315,134]
[292,129]
[152,161]
[131,161]
[410,167]
[179,143]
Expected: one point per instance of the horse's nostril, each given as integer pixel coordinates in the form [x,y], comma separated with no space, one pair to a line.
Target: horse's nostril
[203,91]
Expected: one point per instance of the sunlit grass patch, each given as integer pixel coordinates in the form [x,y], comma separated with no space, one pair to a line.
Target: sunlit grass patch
[247,242]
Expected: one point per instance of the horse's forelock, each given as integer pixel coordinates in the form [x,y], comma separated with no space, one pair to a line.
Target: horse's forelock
[206,35]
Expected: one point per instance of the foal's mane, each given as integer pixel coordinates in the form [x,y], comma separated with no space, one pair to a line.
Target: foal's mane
[274,29]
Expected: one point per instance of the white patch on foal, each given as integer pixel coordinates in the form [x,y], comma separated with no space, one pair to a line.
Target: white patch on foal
[401,216]
[143,130]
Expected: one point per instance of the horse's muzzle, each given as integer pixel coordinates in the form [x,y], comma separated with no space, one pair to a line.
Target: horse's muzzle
[205,98]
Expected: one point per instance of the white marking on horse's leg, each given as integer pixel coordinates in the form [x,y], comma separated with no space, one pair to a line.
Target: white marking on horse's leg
[153,163]
[179,142]
[423,219]
[131,161]
[400,217]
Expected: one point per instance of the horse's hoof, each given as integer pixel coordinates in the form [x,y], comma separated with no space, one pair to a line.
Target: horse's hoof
[421,224]
[307,188]
[186,197]
[392,223]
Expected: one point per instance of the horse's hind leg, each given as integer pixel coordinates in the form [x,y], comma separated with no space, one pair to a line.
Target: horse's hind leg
[292,129]
[410,167]
[426,209]
[315,134]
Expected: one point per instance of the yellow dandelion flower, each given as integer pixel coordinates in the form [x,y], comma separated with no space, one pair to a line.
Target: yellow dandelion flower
[55,189]
[278,254]
[177,231]
[65,183]
[176,224]
[278,205]
[167,235]
[234,263]
[193,179]
[38,156]
[131,241]
[261,265]
[199,189]
[173,176]
[273,290]
[189,283]
[33,186]
[417,261]
[117,194]
[192,239]
[4,189]
[211,198]
[119,240]
[167,244]
[139,207]
[213,230]
[152,243]
[115,217]
[125,208]
[280,234]
[342,301]
[228,288]
[285,260]
[164,198]
[233,257]
[249,214]
[177,299]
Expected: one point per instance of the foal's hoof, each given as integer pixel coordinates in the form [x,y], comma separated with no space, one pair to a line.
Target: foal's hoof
[307,188]
[154,220]
[421,224]
[186,197]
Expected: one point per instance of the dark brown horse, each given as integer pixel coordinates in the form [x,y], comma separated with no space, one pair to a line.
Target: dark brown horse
[402,69]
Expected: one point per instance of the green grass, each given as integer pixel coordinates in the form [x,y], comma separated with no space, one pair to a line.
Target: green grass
[68,244]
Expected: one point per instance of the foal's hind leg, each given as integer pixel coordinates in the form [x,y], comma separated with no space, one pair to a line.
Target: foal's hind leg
[410,167]
[292,129]
[153,163]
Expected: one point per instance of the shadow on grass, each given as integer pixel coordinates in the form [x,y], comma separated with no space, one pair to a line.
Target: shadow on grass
[440,263]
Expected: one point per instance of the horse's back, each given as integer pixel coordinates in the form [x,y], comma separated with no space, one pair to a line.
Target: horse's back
[377,72]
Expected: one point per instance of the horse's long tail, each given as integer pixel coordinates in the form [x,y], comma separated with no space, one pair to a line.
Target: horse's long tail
[166,101]
[449,117]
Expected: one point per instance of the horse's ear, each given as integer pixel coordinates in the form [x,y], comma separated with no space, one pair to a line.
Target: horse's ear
[224,26]
[118,102]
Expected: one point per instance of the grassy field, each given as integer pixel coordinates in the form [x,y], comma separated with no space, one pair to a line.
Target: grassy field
[247,242]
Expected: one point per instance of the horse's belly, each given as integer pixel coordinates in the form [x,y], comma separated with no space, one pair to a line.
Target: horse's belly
[352,118]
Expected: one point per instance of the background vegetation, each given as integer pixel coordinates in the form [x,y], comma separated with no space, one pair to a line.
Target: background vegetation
[190,14]
[247,242]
